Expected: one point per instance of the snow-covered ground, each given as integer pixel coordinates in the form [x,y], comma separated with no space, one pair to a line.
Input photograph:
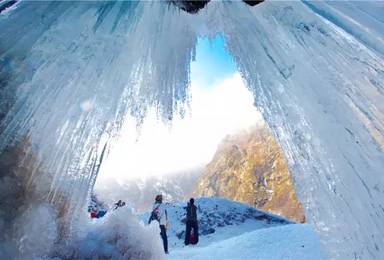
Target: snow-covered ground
[295,241]
[231,230]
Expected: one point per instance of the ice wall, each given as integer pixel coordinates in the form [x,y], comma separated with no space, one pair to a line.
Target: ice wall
[321,91]
[75,69]
[71,71]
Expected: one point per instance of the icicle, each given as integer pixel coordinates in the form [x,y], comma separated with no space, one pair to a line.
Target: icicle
[71,71]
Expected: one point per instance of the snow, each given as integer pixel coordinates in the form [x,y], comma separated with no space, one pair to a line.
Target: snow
[117,235]
[295,241]
[72,71]
[34,237]
[218,216]
[240,232]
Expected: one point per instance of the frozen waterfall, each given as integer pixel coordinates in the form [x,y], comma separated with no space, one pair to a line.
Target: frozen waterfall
[70,72]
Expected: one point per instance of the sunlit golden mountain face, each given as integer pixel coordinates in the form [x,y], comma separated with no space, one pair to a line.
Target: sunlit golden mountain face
[249,167]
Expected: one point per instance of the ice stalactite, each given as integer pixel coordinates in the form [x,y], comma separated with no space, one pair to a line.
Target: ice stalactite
[321,91]
[71,71]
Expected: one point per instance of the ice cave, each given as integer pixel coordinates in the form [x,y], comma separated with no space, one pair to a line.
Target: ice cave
[72,72]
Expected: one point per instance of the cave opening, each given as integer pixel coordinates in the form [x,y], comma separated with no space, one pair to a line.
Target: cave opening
[327,119]
[221,147]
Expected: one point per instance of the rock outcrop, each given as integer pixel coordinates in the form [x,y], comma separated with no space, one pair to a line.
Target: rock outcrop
[249,167]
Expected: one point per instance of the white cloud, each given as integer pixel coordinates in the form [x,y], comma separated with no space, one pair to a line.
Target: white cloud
[222,109]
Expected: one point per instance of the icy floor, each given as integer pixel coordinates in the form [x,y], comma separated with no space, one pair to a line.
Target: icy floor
[295,241]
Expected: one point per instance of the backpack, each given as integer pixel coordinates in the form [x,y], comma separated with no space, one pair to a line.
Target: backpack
[93,214]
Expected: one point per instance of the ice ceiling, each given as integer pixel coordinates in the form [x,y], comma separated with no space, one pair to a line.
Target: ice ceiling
[72,71]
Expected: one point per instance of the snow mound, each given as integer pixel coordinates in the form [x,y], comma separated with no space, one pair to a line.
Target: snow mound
[118,235]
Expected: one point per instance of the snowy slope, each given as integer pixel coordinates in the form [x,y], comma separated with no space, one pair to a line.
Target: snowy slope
[231,230]
[295,241]
[215,216]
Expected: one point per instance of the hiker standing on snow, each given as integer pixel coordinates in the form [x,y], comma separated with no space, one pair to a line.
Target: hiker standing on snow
[159,213]
[191,224]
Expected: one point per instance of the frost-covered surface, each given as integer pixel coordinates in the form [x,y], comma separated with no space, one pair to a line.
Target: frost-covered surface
[70,71]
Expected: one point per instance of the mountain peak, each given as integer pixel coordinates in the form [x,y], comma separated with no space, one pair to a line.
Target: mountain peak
[249,167]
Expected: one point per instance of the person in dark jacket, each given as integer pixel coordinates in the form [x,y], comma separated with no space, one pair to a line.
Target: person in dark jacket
[191,224]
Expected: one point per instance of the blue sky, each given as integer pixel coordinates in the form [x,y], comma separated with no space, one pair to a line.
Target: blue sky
[213,62]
